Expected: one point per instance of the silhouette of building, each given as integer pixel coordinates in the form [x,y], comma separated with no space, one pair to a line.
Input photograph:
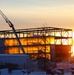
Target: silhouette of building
[49,42]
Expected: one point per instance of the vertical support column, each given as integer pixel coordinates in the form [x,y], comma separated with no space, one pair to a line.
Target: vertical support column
[52,53]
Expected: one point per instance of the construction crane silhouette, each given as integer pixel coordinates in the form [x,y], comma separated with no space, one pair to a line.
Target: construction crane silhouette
[14,31]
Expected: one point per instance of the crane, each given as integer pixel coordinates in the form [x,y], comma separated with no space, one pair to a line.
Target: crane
[14,31]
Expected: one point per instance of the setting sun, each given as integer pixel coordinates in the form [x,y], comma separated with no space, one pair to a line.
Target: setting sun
[72,49]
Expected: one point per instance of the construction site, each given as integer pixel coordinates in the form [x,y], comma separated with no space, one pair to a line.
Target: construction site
[48,42]
[44,44]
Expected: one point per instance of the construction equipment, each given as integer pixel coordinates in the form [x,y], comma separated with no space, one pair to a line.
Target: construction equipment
[12,26]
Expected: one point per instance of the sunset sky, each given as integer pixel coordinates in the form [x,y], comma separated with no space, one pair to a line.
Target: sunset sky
[38,13]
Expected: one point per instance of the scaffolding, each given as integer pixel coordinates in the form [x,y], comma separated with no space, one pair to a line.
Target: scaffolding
[46,42]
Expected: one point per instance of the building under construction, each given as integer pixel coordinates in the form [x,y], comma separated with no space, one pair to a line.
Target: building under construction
[49,42]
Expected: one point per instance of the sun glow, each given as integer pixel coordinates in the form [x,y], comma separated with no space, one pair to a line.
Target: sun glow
[72,49]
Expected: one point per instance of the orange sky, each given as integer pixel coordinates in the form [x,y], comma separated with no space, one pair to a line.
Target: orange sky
[38,13]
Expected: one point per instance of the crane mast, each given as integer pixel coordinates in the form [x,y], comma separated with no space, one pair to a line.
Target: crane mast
[14,31]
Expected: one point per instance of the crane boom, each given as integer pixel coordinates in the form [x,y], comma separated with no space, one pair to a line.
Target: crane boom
[12,26]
